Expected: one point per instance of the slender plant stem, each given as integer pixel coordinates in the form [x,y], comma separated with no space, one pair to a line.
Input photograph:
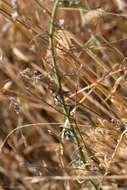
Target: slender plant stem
[58,78]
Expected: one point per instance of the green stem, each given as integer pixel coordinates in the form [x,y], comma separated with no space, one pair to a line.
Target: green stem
[58,78]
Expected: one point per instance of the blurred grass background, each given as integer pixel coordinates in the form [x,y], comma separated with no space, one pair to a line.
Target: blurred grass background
[72,116]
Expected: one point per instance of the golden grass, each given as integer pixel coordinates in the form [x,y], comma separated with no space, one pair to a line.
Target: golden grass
[63,126]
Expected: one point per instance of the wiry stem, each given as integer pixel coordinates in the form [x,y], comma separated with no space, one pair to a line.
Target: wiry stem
[58,78]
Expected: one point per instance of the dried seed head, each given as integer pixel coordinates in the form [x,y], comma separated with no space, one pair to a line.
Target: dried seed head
[63,42]
[63,39]
[93,15]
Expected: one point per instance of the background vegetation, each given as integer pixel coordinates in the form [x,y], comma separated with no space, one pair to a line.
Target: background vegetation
[63,97]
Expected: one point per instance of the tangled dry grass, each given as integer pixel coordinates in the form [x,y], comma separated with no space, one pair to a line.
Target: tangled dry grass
[63,126]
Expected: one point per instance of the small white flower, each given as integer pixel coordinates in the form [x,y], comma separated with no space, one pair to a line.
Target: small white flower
[121,4]
[14,4]
[33,48]
[61,22]
[14,15]
[1,57]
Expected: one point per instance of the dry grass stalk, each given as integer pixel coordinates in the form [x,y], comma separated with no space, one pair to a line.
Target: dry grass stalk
[94,91]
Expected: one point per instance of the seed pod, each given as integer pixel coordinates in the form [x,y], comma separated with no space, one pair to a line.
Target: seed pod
[93,15]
